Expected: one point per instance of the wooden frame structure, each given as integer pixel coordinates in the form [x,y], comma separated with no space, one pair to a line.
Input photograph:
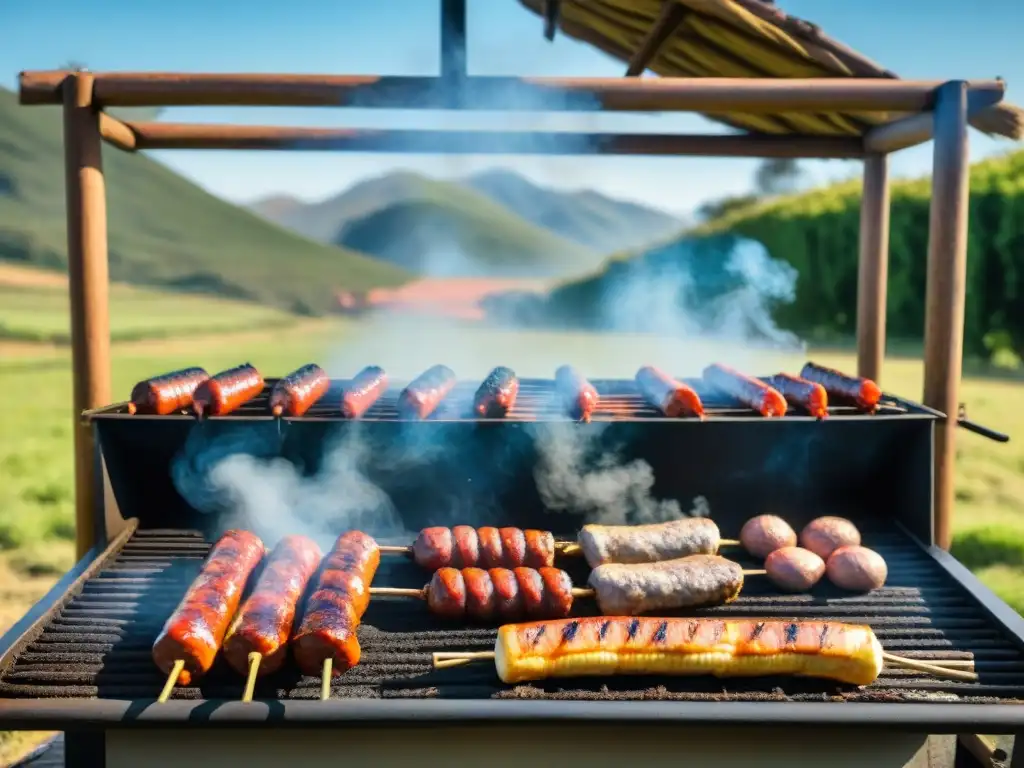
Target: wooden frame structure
[936,109]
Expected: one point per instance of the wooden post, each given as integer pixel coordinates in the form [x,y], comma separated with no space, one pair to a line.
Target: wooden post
[88,284]
[453,40]
[873,272]
[946,290]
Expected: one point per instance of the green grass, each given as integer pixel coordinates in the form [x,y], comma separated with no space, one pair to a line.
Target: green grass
[163,230]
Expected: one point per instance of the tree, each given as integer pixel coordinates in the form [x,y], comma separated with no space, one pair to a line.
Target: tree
[777,175]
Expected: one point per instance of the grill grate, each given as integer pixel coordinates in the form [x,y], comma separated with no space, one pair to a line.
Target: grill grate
[98,645]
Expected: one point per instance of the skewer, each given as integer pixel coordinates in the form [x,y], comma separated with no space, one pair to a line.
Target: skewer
[565,548]
[132,408]
[250,683]
[325,682]
[276,411]
[172,678]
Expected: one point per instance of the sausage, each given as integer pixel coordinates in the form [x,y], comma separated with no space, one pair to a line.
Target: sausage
[863,393]
[463,547]
[195,630]
[794,569]
[425,393]
[856,568]
[578,396]
[808,395]
[764,534]
[689,582]
[824,535]
[649,543]
[299,391]
[264,622]
[363,391]
[847,653]
[166,394]
[227,391]
[336,606]
[499,594]
[497,394]
[671,397]
[752,392]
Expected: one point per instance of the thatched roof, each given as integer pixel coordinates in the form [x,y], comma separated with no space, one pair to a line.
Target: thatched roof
[736,38]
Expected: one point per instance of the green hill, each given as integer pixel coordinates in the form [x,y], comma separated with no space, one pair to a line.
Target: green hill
[163,230]
[817,233]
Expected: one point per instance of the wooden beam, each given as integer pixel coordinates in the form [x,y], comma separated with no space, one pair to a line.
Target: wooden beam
[117,133]
[88,284]
[668,21]
[453,40]
[754,95]
[552,12]
[208,136]
[945,294]
[873,267]
[917,129]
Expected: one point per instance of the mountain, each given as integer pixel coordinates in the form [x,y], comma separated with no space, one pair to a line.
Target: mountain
[163,230]
[585,217]
[435,228]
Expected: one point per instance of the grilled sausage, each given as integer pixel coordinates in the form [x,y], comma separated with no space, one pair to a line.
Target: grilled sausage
[166,394]
[763,534]
[794,569]
[363,391]
[497,394]
[824,535]
[689,582]
[425,393]
[858,569]
[337,604]
[864,393]
[464,546]
[649,543]
[264,622]
[195,631]
[227,391]
[578,396]
[671,397]
[299,391]
[808,395]
[847,653]
[752,392]
[499,594]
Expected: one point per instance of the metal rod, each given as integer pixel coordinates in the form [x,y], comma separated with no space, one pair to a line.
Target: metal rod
[672,15]
[945,294]
[88,286]
[502,93]
[453,40]
[207,136]
[873,267]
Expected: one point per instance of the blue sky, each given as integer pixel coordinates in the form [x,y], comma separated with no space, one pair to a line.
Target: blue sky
[346,36]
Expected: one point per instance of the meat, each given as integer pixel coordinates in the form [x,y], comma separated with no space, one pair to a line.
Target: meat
[689,582]
[464,546]
[807,395]
[299,391]
[671,397]
[846,653]
[794,569]
[425,393]
[826,534]
[857,569]
[264,622]
[497,394]
[863,393]
[337,604]
[227,391]
[166,394]
[363,391]
[499,594]
[752,392]
[577,395]
[195,630]
[764,534]
[603,544]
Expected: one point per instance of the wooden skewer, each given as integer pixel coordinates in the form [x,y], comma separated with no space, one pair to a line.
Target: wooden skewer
[250,683]
[172,678]
[325,682]
[132,408]
[565,548]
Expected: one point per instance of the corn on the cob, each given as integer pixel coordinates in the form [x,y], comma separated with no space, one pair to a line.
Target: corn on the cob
[647,646]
